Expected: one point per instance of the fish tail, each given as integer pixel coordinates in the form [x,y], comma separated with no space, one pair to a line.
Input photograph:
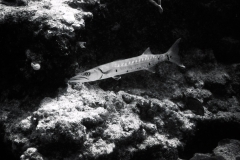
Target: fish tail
[172,54]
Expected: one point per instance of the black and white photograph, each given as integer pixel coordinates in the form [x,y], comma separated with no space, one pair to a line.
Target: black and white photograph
[119,80]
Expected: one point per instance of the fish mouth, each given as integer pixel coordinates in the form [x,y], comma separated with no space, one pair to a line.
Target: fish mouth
[77,79]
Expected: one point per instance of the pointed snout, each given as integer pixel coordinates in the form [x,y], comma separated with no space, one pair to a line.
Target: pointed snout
[77,79]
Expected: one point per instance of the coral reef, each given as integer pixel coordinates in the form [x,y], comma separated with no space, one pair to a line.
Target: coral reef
[227,149]
[42,34]
[86,121]
[31,153]
[173,114]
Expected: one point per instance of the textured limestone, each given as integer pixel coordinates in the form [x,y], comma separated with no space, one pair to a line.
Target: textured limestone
[227,149]
[82,120]
[56,14]
[31,153]
[97,123]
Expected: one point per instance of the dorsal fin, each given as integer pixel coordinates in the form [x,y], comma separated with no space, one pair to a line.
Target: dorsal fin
[147,52]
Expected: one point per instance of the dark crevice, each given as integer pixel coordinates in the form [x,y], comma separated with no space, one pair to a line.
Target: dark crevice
[156,152]
[5,149]
[208,135]
[20,79]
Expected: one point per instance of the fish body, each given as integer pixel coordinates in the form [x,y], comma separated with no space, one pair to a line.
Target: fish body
[157,4]
[194,105]
[146,61]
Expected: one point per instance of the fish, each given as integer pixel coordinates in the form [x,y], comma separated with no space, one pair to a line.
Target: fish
[158,5]
[194,105]
[146,61]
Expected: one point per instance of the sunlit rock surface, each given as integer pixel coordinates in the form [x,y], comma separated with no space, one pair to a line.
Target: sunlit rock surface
[85,121]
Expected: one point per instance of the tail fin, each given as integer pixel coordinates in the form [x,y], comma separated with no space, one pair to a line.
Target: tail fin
[172,54]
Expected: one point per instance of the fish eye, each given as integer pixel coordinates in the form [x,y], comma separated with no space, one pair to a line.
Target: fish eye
[86,74]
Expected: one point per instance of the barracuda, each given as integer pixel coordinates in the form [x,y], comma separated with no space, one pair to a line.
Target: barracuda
[146,61]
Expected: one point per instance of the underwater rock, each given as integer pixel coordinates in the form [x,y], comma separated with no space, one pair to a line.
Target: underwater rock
[103,121]
[149,127]
[201,156]
[218,105]
[194,105]
[76,120]
[215,78]
[127,98]
[98,148]
[228,104]
[235,85]
[200,94]
[14,2]
[216,81]
[229,149]
[43,35]
[31,153]
[83,3]
[197,58]
[25,125]
[58,19]
[193,78]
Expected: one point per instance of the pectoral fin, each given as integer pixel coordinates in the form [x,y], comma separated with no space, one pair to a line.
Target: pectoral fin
[116,77]
[152,69]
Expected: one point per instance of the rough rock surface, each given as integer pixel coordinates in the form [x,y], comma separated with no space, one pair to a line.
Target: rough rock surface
[142,116]
[38,43]
[227,149]
[85,121]
[31,153]
[100,124]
